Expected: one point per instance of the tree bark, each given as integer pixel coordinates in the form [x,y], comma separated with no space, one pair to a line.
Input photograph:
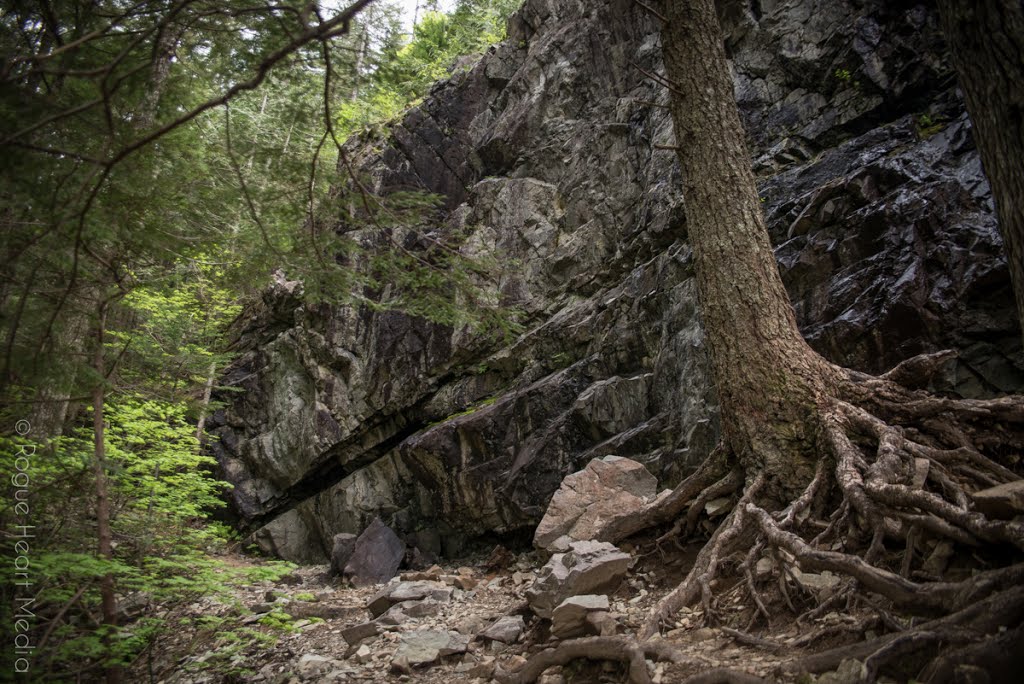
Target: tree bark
[108,599]
[771,384]
[986,38]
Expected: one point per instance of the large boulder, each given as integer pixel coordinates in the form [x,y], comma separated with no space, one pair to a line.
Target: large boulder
[376,556]
[594,498]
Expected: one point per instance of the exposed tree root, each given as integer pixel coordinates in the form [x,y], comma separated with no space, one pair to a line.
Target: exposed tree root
[961,627]
[891,486]
[897,466]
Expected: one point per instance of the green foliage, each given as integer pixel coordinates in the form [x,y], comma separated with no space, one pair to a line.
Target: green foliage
[269,571]
[405,70]
[927,126]
[846,76]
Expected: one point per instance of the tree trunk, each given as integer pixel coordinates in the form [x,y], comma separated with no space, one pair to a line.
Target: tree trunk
[204,405]
[357,70]
[103,531]
[770,383]
[986,38]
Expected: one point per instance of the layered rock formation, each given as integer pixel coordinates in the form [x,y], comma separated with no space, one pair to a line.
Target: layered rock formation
[547,153]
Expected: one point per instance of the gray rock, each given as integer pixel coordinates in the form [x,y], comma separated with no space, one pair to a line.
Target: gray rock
[592,499]
[823,582]
[849,672]
[343,547]
[364,630]
[401,592]
[311,666]
[587,568]
[1003,501]
[411,609]
[505,629]
[376,557]
[426,646]
[569,618]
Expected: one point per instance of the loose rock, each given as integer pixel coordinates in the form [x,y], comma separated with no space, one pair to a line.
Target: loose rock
[570,617]
[377,554]
[1002,501]
[426,646]
[588,567]
[505,629]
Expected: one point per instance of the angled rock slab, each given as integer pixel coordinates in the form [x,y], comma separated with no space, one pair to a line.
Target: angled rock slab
[591,499]
[426,646]
[1002,501]
[588,567]
[356,633]
[402,592]
[569,619]
[376,557]
[505,629]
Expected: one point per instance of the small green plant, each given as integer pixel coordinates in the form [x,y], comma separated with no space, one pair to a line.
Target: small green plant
[278,620]
[305,596]
[927,126]
[846,76]
[270,571]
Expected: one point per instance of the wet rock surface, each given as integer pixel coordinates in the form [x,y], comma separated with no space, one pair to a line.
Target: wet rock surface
[545,151]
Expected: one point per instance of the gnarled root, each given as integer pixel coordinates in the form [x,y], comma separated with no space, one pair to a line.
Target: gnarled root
[896,466]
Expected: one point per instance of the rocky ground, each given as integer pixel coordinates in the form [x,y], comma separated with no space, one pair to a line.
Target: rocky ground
[482,617]
[460,620]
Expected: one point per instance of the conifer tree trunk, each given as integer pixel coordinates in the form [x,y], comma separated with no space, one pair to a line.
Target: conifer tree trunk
[108,600]
[986,38]
[770,382]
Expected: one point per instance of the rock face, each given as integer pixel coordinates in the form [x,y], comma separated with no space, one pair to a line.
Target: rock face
[607,489]
[546,152]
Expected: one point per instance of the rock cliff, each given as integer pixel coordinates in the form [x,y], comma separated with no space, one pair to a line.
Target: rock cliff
[548,151]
